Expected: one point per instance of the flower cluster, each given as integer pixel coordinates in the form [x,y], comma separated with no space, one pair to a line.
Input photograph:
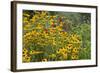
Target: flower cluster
[46,37]
[26,57]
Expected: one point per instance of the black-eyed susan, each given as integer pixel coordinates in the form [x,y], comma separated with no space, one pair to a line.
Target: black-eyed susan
[74,57]
[44,60]
[75,50]
[58,51]
[64,50]
[25,55]
[25,51]
[65,55]
[27,59]
[69,47]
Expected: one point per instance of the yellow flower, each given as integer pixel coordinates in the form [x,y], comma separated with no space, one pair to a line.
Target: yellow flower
[63,35]
[58,52]
[74,57]
[39,26]
[44,60]
[25,55]
[61,51]
[44,13]
[46,35]
[26,59]
[75,38]
[25,51]
[52,31]
[64,50]
[65,56]
[75,50]
[27,34]
[33,32]
[69,50]
[69,47]
[34,18]
[58,28]
[78,41]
